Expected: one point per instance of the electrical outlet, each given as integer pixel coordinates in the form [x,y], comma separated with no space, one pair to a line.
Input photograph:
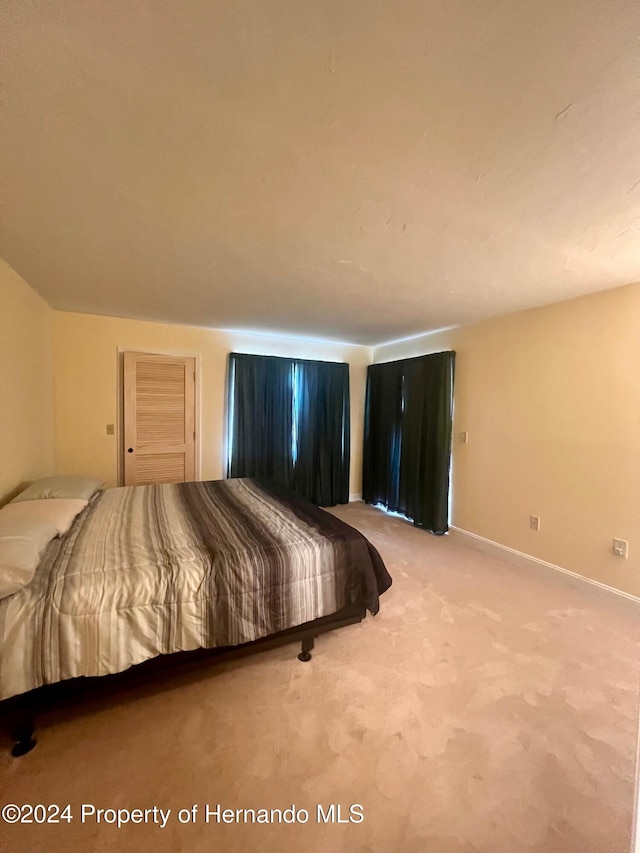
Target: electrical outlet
[621,548]
[534,522]
[464,437]
[110,429]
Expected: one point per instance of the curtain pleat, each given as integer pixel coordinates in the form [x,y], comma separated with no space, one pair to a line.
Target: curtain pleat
[381,453]
[321,469]
[289,421]
[407,447]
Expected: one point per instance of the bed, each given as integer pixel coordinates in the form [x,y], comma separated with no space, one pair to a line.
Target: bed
[157,572]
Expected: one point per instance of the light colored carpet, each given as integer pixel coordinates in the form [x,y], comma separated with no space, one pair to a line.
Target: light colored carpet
[486,708]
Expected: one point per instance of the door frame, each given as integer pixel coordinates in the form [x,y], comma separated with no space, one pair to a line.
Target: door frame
[178,353]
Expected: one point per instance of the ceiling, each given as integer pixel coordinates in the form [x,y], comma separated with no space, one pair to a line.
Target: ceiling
[359,171]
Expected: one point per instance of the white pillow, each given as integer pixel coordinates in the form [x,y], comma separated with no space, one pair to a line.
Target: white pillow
[60,487]
[22,542]
[57,511]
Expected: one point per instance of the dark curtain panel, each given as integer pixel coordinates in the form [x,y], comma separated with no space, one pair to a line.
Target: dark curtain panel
[407,452]
[321,468]
[260,417]
[289,422]
[382,421]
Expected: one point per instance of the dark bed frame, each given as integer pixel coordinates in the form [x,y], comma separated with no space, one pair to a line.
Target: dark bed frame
[20,712]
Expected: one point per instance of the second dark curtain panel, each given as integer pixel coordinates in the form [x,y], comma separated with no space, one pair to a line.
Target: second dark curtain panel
[407,445]
[289,422]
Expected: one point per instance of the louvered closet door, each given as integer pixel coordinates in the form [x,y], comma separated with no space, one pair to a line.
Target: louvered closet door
[159,419]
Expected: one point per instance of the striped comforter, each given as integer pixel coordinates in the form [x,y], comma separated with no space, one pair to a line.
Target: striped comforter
[149,570]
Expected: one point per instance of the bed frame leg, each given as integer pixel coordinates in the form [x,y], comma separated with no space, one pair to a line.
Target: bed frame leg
[23,735]
[307,645]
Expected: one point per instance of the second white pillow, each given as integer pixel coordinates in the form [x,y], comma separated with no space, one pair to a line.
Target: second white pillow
[59,511]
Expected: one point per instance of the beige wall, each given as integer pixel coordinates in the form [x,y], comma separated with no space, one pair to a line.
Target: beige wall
[26,404]
[551,401]
[86,385]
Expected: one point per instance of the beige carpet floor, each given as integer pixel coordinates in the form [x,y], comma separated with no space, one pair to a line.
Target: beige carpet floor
[486,708]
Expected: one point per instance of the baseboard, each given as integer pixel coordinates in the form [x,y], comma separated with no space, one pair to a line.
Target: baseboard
[356,496]
[488,546]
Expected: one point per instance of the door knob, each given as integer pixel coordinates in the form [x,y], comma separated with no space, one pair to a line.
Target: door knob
[130,450]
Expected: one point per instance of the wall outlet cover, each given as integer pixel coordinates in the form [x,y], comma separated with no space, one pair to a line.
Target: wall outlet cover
[621,548]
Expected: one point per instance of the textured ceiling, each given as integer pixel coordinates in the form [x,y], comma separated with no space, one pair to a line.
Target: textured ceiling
[361,170]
